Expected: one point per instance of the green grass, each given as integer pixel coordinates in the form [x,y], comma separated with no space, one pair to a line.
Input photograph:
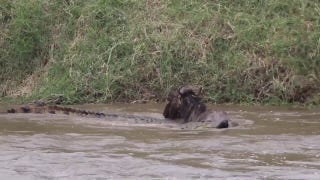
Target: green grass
[110,50]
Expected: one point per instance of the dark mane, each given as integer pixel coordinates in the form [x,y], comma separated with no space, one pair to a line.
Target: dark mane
[191,105]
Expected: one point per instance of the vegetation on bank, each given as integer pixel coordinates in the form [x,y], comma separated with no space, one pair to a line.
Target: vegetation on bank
[245,51]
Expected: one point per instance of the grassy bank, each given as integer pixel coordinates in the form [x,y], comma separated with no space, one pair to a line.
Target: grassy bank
[110,50]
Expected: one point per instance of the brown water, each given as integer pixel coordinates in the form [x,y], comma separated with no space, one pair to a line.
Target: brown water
[270,143]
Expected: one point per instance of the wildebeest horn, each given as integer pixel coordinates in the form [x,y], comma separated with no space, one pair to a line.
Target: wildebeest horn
[186,90]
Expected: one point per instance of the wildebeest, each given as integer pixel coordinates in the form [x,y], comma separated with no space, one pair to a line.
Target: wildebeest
[185,104]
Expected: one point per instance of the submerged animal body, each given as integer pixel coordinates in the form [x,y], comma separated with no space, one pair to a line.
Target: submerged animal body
[41,108]
[189,107]
[53,109]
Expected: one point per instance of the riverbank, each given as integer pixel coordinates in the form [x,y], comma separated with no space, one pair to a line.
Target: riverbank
[264,52]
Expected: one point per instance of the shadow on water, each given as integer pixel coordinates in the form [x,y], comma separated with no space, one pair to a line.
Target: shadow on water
[271,143]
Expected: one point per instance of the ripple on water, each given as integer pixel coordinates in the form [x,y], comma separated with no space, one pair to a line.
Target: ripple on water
[272,145]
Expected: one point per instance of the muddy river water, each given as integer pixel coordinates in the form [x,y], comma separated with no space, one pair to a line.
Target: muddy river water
[270,143]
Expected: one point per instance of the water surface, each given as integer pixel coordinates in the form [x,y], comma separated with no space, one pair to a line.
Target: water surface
[270,143]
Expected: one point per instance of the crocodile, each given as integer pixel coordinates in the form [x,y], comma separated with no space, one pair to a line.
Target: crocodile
[184,110]
[114,119]
[42,108]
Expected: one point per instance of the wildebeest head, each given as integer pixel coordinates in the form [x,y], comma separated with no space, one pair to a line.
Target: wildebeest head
[172,109]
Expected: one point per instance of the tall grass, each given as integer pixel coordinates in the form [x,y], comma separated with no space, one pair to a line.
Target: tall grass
[109,50]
